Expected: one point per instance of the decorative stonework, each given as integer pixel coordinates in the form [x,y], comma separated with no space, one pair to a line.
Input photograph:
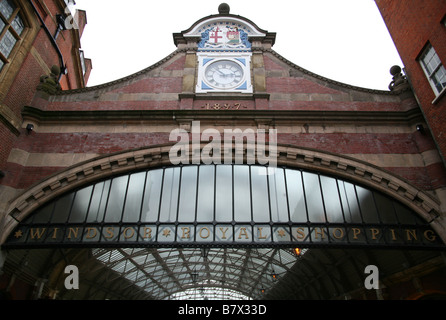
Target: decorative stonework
[399,81]
[330,81]
[50,83]
[103,167]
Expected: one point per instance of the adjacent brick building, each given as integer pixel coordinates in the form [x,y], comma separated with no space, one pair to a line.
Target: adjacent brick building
[37,36]
[418,29]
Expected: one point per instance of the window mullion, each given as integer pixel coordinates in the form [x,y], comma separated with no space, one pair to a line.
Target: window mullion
[13,15]
[5,29]
[14,33]
[435,70]
[3,58]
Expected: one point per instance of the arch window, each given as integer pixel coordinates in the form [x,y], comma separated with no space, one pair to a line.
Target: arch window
[11,29]
[227,205]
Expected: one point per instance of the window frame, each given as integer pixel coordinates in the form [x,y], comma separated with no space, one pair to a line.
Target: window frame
[9,27]
[431,75]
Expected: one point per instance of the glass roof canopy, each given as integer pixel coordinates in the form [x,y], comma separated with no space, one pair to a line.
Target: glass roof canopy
[201,273]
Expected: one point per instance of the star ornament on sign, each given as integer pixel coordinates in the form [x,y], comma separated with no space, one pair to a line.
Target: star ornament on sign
[18,234]
[281,233]
[166,232]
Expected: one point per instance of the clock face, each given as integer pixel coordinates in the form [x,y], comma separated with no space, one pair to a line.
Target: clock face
[224,74]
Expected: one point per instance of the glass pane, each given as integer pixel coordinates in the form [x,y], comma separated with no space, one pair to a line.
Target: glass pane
[278,196]
[152,196]
[7,43]
[296,199]
[2,25]
[385,209]
[81,202]
[116,199]
[405,215]
[62,209]
[169,197]
[260,203]
[98,202]
[431,65]
[242,197]
[349,202]
[205,205]
[188,194]
[18,25]
[439,78]
[7,8]
[314,197]
[223,202]
[367,204]
[134,197]
[332,202]
[429,61]
[42,215]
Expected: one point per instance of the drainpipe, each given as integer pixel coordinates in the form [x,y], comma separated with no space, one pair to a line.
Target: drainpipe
[53,41]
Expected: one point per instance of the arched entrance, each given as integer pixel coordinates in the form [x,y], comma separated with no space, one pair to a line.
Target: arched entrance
[223,206]
[160,232]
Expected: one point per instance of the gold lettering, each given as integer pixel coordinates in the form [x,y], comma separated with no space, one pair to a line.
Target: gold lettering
[300,233]
[127,236]
[223,232]
[319,233]
[431,237]
[55,232]
[244,232]
[393,234]
[208,233]
[38,232]
[147,233]
[72,230]
[411,234]
[91,235]
[374,233]
[110,232]
[340,234]
[356,232]
[260,233]
[186,233]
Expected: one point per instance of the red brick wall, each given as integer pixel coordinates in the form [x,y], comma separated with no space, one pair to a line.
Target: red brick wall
[413,24]
[7,139]
[427,178]
[25,81]
[157,88]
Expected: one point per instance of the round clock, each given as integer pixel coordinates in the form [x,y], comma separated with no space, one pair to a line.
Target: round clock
[224,74]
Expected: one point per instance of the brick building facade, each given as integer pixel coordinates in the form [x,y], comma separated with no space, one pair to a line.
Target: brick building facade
[418,29]
[49,36]
[85,134]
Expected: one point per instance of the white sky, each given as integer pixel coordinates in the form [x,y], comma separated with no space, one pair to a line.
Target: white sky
[344,40]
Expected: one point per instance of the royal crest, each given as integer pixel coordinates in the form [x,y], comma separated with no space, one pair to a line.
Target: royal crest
[224,38]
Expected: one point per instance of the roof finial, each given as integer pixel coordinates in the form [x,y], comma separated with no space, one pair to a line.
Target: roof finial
[223,8]
[399,80]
